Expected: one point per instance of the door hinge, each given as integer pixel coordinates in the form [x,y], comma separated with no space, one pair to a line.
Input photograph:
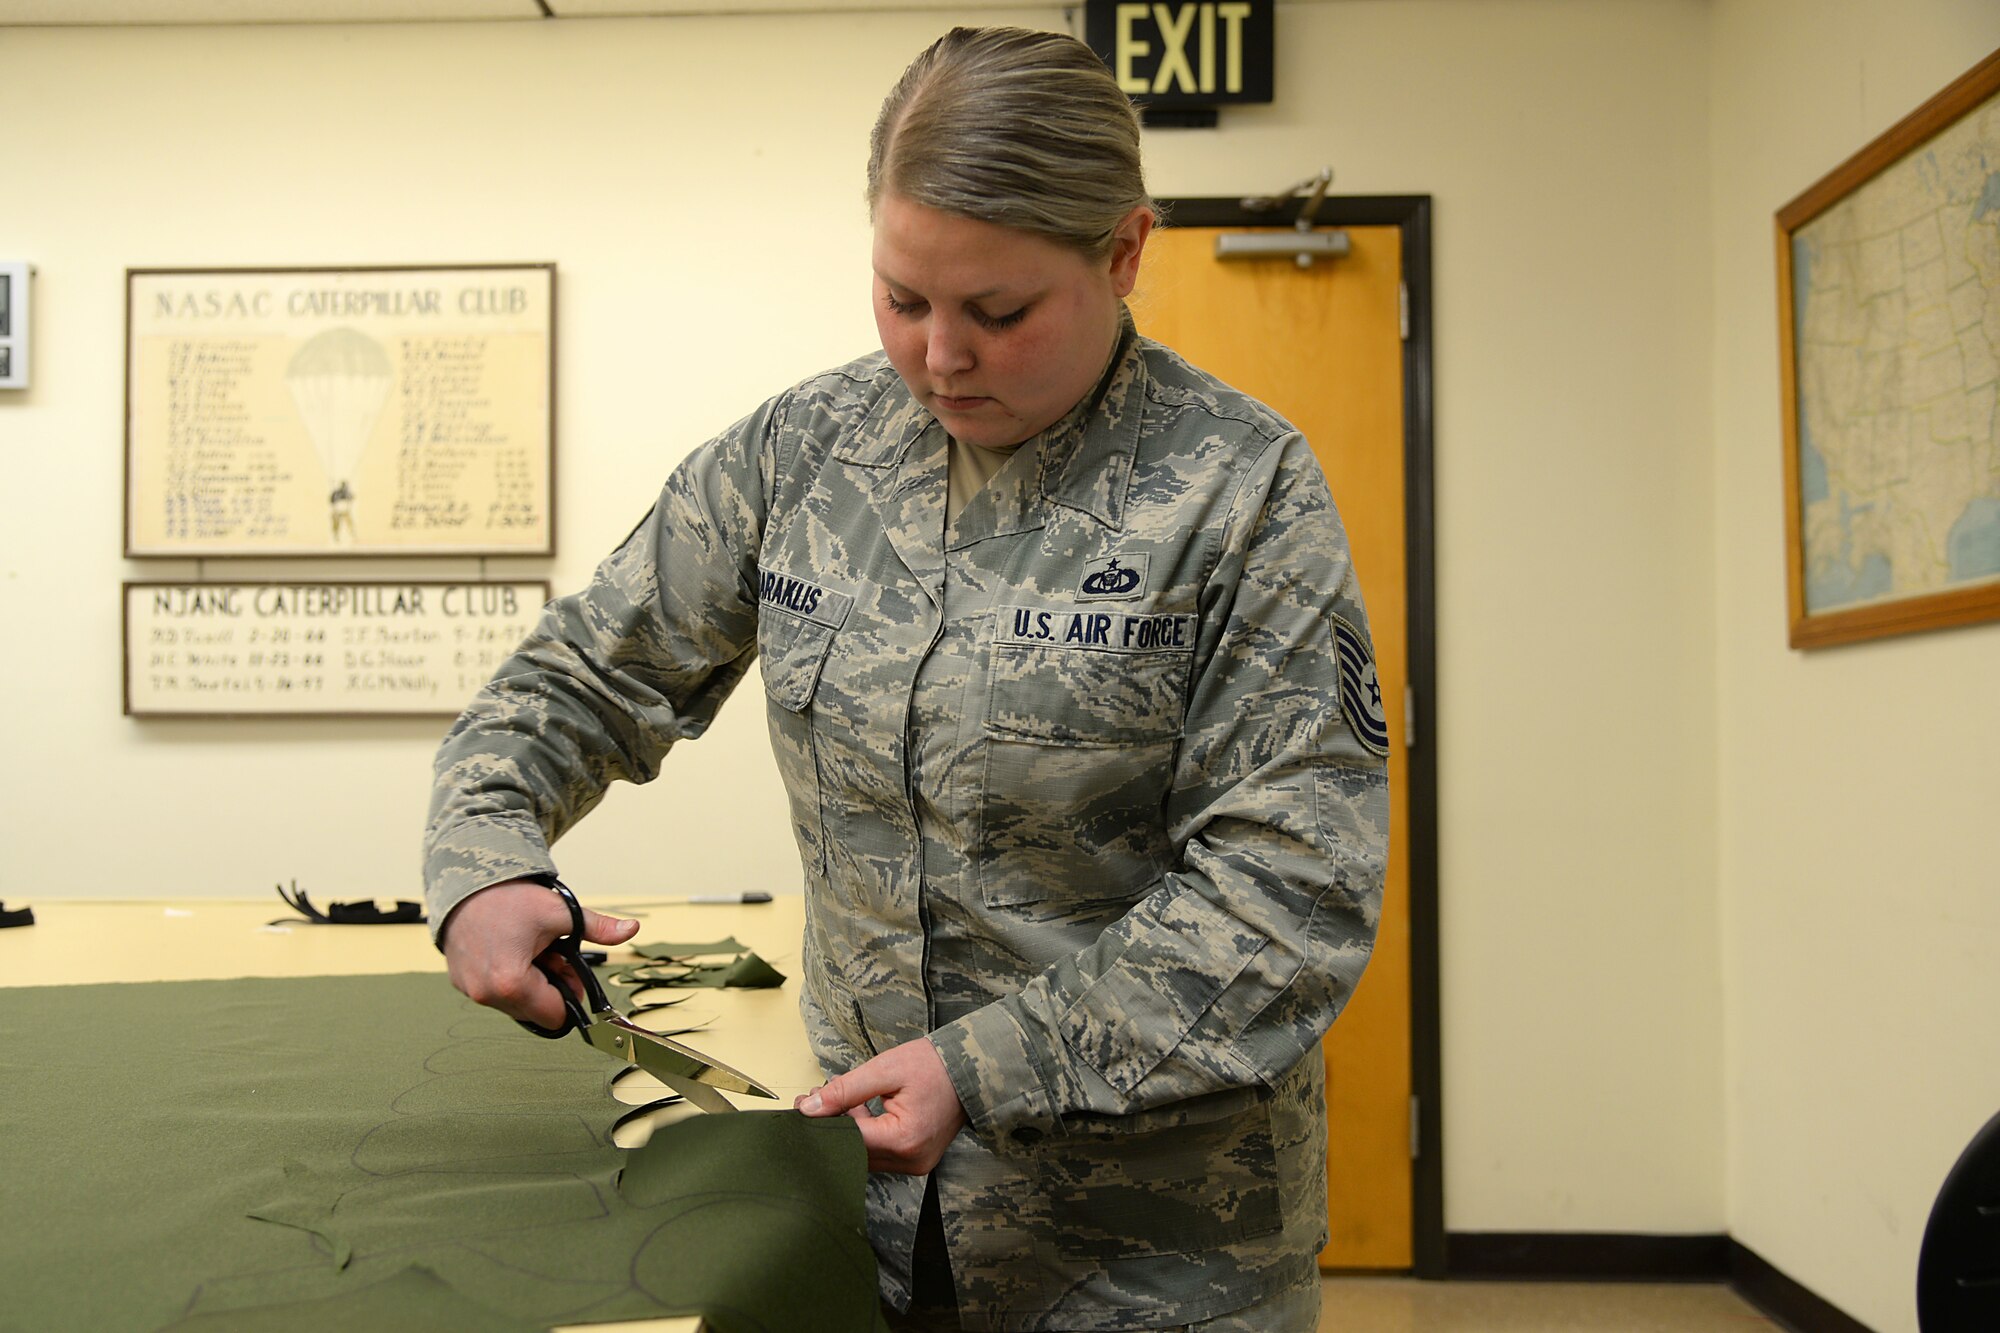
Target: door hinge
[1403,309]
[1409,718]
[1416,1129]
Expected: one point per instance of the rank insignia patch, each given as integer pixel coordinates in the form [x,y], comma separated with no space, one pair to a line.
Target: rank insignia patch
[1115,578]
[1360,688]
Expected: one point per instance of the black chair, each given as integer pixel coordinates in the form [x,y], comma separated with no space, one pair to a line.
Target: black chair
[1958,1268]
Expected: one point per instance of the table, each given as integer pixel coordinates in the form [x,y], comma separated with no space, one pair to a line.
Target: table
[757,1031]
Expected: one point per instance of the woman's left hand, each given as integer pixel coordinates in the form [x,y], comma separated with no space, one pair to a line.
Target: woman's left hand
[920,1109]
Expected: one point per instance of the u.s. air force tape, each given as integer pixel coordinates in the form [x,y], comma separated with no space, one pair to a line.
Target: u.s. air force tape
[1101,631]
[1360,688]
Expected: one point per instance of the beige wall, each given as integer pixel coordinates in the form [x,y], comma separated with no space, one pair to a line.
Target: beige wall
[697,180]
[1858,785]
[1640,799]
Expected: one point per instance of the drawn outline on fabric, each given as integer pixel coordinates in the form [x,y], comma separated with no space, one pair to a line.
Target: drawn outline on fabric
[1113,579]
[1360,688]
[311,1201]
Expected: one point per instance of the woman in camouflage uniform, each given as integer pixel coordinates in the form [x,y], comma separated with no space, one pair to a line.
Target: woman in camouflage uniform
[1070,685]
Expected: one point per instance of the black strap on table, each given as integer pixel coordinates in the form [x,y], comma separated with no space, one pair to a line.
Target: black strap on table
[349,914]
[20,916]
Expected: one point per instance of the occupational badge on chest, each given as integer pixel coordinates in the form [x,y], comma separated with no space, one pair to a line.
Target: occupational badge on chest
[1360,688]
[1114,578]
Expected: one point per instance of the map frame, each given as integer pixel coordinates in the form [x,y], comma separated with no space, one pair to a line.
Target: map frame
[1886,616]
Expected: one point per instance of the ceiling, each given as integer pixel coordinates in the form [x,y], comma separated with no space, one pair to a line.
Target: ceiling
[110,12]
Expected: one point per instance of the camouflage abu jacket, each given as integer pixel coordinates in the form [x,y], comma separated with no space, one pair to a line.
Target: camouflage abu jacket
[1076,783]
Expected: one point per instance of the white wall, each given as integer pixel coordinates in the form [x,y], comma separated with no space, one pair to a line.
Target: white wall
[699,271]
[697,180]
[1565,145]
[1858,785]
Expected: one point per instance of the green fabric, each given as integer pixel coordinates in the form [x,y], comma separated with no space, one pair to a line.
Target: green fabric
[670,966]
[749,970]
[307,1203]
[728,944]
[712,1208]
[415,1300]
[288,1153]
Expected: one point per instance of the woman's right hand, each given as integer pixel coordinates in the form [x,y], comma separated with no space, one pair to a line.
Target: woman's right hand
[491,941]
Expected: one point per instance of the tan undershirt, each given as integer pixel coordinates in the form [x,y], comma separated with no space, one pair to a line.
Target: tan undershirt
[969,467]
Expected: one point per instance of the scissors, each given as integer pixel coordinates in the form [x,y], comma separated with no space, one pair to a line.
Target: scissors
[682,1068]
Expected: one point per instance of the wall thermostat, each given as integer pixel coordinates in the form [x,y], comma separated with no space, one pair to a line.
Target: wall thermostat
[14,324]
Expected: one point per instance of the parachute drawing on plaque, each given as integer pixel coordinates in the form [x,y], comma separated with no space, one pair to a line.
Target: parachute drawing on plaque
[338,381]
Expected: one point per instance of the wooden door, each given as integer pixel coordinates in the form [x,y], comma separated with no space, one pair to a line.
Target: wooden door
[1323,346]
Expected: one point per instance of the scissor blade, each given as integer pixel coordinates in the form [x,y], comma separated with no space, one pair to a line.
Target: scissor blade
[682,1068]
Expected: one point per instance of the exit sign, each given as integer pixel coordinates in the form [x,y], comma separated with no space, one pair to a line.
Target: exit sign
[1174,54]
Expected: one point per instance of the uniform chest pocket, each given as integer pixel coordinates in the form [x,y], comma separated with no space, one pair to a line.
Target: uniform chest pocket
[796,625]
[792,640]
[1084,714]
[1089,678]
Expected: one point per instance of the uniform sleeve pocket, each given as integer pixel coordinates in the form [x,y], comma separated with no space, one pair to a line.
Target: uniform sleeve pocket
[1178,961]
[1186,1189]
[1351,809]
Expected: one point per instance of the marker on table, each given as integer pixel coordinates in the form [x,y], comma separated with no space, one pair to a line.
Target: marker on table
[720,899]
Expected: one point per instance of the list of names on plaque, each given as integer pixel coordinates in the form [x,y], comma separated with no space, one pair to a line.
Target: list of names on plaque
[223,476]
[347,648]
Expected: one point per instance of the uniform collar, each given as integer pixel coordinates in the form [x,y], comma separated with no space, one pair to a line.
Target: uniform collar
[1087,457]
[1083,462]
[893,422]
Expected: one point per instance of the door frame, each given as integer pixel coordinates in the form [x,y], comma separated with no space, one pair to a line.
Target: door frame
[1411,214]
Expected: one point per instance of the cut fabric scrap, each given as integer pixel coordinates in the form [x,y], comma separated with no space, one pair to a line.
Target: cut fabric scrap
[651,1005]
[361,913]
[664,951]
[640,1123]
[638,976]
[746,970]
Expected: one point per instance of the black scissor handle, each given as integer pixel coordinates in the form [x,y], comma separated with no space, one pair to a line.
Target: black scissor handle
[569,949]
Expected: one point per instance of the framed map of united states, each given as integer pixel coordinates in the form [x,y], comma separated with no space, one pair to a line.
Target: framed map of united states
[1889,329]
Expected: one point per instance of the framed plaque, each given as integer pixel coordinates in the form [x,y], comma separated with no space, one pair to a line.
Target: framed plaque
[14,325]
[340,411]
[319,649]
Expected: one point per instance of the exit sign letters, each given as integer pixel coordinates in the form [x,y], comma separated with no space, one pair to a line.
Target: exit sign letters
[1173,54]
